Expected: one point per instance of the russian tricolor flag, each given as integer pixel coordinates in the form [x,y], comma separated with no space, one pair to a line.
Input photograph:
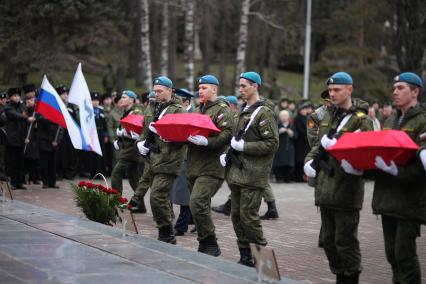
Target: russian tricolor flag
[51,106]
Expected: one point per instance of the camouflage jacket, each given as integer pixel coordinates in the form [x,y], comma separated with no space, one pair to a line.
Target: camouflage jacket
[204,160]
[260,144]
[404,195]
[168,158]
[341,190]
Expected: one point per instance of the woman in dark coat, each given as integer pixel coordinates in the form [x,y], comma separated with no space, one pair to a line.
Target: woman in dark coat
[284,157]
[301,143]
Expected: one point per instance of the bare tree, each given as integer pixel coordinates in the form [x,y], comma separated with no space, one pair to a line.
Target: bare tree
[189,43]
[145,48]
[165,39]
[242,42]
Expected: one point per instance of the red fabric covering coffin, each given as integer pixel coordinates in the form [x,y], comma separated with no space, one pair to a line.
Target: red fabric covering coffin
[133,122]
[361,148]
[178,127]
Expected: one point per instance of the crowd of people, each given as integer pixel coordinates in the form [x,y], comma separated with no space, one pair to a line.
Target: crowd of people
[259,141]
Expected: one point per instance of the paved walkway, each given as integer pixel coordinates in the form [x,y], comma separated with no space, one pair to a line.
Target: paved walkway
[44,246]
[294,235]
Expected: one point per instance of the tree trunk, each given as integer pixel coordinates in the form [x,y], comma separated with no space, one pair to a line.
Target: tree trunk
[165,39]
[145,63]
[172,46]
[189,44]
[242,42]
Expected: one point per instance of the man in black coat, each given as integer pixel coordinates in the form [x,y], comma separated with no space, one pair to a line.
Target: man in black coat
[96,161]
[49,134]
[67,156]
[3,136]
[15,129]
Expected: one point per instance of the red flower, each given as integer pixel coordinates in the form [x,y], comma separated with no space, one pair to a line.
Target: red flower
[122,200]
[90,185]
[82,183]
[113,191]
[129,206]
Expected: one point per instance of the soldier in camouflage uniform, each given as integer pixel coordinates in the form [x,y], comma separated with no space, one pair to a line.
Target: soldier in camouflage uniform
[165,158]
[137,203]
[338,194]
[249,163]
[399,191]
[129,157]
[204,171]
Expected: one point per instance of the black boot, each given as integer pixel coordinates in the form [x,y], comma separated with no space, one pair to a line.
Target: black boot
[224,208]
[209,246]
[271,213]
[138,205]
[246,258]
[351,279]
[165,234]
[340,279]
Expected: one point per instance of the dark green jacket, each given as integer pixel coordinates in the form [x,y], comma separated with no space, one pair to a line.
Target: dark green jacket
[403,196]
[128,149]
[260,144]
[204,160]
[341,191]
[169,158]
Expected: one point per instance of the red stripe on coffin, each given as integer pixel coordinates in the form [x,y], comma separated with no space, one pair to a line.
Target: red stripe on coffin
[178,127]
[361,148]
[133,122]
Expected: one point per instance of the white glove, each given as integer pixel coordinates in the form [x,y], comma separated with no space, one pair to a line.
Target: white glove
[327,142]
[152,128]
[222,159]
[119,132]
[347,167]
[115,144]
[309,171]
[237,145]
[422,156]
[381,164]
[134,135]
[142,149]
[198,140]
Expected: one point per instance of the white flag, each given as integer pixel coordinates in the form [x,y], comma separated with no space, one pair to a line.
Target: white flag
[80,95]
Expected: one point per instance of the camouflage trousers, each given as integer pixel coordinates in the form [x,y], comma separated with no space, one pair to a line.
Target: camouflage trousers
[400,245]
[203,188]
[268,194]
[245,204]
[119,171]
[160,199]
[145,181]
[340,240]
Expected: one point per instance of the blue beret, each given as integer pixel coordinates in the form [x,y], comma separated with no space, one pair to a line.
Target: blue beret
[208,79]
[151,95]
[232,100]
[409,77]
[163,81]
[340,78]
[183,93]
[252,76]
[130,94]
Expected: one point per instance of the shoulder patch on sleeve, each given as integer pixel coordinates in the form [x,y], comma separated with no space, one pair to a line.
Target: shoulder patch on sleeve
[220,117]
[263,122]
